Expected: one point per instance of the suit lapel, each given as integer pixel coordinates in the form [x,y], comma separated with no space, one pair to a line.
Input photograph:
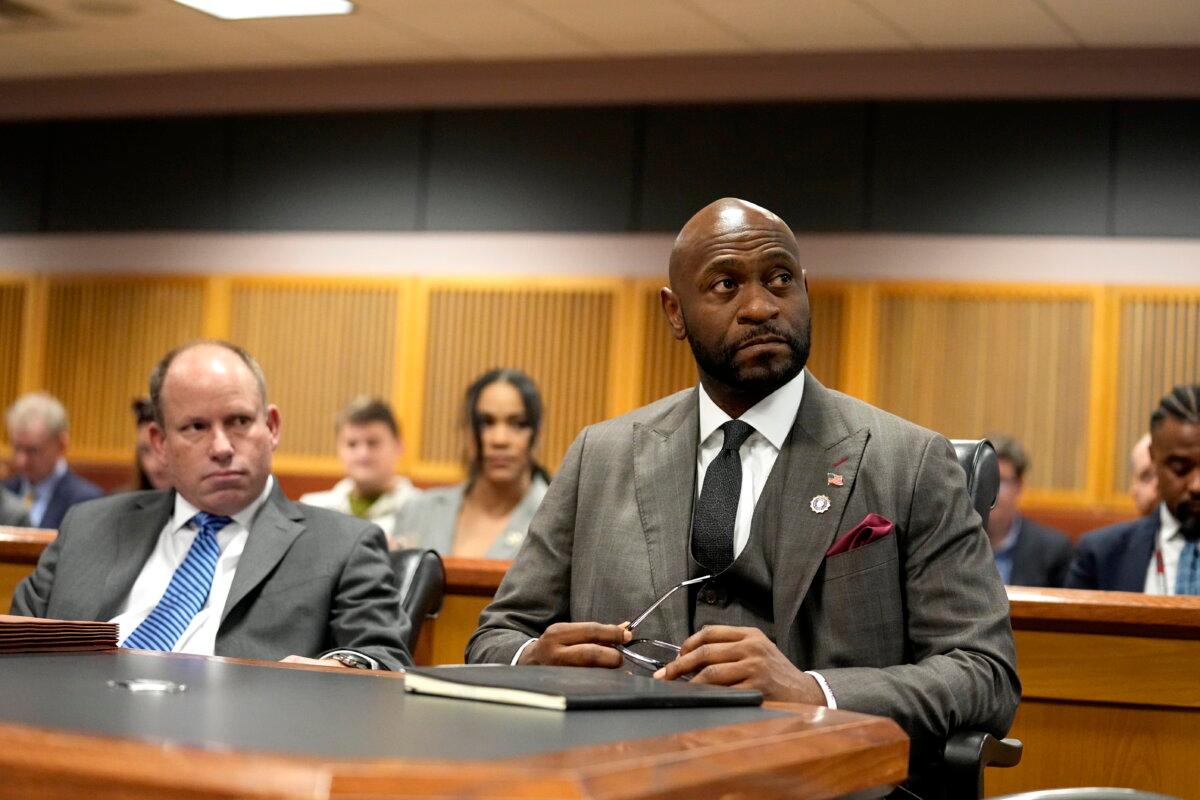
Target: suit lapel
[132,544]
[664,467]
[1139,554]
[819,439]
[272,532]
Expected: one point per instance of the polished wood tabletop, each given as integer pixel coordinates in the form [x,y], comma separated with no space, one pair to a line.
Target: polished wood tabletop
[262,729]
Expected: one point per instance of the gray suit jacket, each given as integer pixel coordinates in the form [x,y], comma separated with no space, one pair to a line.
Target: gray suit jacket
[309,580]
[914,626]
[12,511]
[430,519]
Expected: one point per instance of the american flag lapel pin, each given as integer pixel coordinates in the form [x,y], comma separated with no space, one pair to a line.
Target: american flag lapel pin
[834,479]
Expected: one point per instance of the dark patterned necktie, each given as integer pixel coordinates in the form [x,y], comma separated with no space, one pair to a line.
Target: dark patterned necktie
[716,510]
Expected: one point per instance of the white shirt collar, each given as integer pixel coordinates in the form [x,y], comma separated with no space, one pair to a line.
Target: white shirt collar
[184,511]
[773,416]
[1168,526]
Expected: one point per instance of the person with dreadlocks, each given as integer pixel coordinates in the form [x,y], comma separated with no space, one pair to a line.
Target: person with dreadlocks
[1160,552]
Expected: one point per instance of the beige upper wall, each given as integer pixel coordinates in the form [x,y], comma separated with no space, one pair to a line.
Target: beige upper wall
[1031,259]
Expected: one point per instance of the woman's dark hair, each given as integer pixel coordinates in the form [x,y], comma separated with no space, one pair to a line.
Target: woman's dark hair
[531,399]
[143,414]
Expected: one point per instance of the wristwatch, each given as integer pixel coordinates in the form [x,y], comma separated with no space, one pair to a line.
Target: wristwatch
[352,660]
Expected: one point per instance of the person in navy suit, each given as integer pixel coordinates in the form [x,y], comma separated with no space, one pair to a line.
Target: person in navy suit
[37,429]
[1157,553]
[1027,553]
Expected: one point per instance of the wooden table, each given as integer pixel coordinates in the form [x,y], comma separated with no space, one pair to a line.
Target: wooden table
[262,729]
[1111,695]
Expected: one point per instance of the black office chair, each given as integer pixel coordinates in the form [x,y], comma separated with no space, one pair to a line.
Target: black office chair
[422,582]
[969,752]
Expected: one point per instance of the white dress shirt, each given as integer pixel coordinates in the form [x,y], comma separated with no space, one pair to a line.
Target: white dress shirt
[200,636]
[772,419]
[1170,543]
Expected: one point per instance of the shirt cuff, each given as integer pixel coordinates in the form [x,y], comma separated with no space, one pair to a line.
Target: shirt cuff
[830,700]
[520,650]
[374,664]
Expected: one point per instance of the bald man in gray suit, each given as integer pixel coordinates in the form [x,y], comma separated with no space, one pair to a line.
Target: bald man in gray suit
[854,572]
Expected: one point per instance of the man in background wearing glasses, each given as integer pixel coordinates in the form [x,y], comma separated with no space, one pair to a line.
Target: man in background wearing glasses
[832,552]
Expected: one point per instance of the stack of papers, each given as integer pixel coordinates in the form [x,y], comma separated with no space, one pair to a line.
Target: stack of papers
[31,635]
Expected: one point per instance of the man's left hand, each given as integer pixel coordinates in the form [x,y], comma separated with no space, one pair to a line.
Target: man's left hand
[744,658]
[320,662]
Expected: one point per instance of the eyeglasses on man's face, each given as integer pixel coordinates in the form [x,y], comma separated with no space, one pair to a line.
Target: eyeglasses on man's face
[653,654]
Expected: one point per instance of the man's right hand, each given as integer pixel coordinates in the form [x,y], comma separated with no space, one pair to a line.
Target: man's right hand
[578,644]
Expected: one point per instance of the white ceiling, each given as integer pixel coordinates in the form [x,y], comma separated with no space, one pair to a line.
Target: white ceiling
[44,38]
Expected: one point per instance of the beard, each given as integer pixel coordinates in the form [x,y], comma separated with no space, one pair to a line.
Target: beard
[719,362]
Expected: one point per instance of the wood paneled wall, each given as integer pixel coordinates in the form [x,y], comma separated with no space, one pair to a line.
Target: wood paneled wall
[320,344]
[971,360]
[561,336]
[12,317]
[1073,371]
[1159,348]
[102,339]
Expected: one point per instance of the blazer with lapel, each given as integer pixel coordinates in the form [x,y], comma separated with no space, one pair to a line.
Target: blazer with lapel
[1041,557]
[914,627]
[308,581]
[1116,558]
[70,489]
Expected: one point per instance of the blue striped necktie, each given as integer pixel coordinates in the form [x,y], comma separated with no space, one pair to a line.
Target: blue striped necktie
[1187,576]
[187,591]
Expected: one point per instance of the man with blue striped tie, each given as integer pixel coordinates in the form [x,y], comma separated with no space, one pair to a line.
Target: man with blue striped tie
[223,564]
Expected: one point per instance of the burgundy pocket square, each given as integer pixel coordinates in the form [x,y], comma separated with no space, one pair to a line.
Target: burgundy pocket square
[872,528]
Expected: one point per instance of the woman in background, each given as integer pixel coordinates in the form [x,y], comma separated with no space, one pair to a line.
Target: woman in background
[150,471]
[488,515]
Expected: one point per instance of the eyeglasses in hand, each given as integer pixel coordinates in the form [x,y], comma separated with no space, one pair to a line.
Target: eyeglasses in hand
[652,654]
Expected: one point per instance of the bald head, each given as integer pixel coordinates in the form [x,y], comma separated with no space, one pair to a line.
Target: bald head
[739,298]
[716,220]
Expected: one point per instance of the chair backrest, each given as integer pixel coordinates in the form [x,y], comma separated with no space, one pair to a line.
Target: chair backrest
[422,581]
[977,458]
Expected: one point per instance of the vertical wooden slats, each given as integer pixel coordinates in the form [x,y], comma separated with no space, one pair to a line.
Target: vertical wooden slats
[1159,348]
[12,302]
[968,364]
[559,336]
[103,338]
[320,343]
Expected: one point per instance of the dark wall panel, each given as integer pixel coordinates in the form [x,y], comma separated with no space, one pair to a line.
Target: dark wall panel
[531,170]
[138,175]
[1158,169]
[23,152]
[804,162]
[997,167]
[335,172]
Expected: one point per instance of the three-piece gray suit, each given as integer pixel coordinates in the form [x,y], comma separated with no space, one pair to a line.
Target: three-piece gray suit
[914,626]
[308,581]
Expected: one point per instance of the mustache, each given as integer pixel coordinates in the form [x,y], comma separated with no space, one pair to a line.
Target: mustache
[762,330]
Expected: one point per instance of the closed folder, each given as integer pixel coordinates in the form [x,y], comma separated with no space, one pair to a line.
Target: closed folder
[570,688]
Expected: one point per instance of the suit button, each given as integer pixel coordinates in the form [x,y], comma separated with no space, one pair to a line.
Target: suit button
[709,596]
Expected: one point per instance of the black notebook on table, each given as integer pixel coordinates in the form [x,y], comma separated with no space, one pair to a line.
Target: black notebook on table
[570,688]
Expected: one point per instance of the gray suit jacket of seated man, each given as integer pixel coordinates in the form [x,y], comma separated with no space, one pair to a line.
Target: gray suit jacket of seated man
[309,580]
[913,626]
